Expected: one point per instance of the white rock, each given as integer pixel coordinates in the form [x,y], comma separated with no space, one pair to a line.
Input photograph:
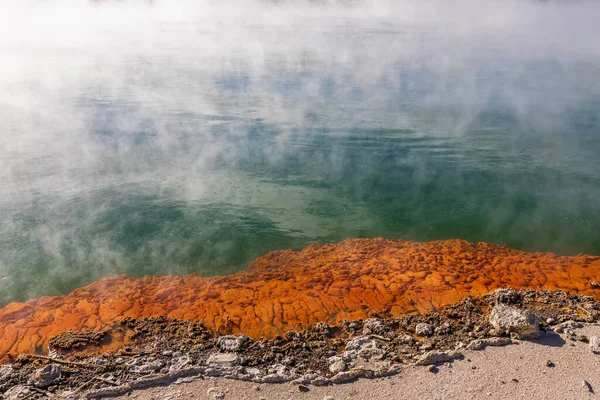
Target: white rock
[435,356]
[515,320]
[595,344]
[423,329]
[223,360]
[480,344]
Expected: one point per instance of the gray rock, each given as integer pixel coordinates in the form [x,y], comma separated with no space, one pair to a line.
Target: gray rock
[406,339]
[371,353]
[480,344]
[223,360]
[436,356]
[523,323]
[360,342]
[374,326]
[595,344]
[320,381]
[423,329]
[347,376]
[232,343]
[506,296]
[567,327]
[182,362]
[45,376]
[337,364]
[305,379]
[148,368]
[328,398]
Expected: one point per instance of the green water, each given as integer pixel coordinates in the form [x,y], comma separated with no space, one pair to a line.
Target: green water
[176,154]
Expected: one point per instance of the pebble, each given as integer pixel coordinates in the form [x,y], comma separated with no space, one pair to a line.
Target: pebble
[303,388]
[587,385]
[595,344]
[550,364]
[328,398]
[423,329]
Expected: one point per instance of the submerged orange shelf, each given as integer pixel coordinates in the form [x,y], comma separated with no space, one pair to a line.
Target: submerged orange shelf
[290,290]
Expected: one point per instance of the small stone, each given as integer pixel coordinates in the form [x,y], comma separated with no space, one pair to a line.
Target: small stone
[434,357]
[595,344]
[423,329]
[432,368]
[223,359]
[523,323]
[45,376]
[550,364]
[328,398]
[303,388]
[480,344]
[257,388]
[587,386]
[219,396]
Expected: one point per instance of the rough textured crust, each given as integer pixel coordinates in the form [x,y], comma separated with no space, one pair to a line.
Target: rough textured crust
[291,290]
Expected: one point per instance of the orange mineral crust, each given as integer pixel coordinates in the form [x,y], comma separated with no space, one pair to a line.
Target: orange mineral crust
[290,290]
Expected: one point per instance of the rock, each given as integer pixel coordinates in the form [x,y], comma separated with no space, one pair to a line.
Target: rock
[182,362]
[223,360]
[374,326]
[320,381]
[480,344]
[436,356]
[371,353]
[232,343]
[328,398]
[506,296]
[303,388]
[432,368]
[595,344]
[406,339]
[423,329]
[45,376]
[550,364]
[567,326]
[362,347]
[347,376]
[523,323]
[337,364]
[587,386]
[148,368]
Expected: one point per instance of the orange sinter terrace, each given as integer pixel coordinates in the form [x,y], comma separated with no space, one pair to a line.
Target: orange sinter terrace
[291,290]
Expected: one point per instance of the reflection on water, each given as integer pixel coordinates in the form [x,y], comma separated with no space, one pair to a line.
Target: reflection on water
[199,145]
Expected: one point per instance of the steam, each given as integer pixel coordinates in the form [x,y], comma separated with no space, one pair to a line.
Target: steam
[191,136]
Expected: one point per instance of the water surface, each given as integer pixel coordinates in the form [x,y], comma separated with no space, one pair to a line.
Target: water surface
[163,139]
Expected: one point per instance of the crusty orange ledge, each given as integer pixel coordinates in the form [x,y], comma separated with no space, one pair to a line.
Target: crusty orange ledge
[290,290]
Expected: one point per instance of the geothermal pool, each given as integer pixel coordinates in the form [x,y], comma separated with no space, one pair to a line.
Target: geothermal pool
[170,139]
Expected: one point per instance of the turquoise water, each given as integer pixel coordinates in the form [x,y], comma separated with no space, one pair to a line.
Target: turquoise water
[181,146]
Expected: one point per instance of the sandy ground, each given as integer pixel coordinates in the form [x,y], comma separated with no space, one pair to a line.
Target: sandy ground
[513,372]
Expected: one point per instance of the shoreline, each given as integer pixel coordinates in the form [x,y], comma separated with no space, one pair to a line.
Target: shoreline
[175,351]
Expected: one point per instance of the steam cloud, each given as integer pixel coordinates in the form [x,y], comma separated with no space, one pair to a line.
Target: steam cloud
[159,137]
